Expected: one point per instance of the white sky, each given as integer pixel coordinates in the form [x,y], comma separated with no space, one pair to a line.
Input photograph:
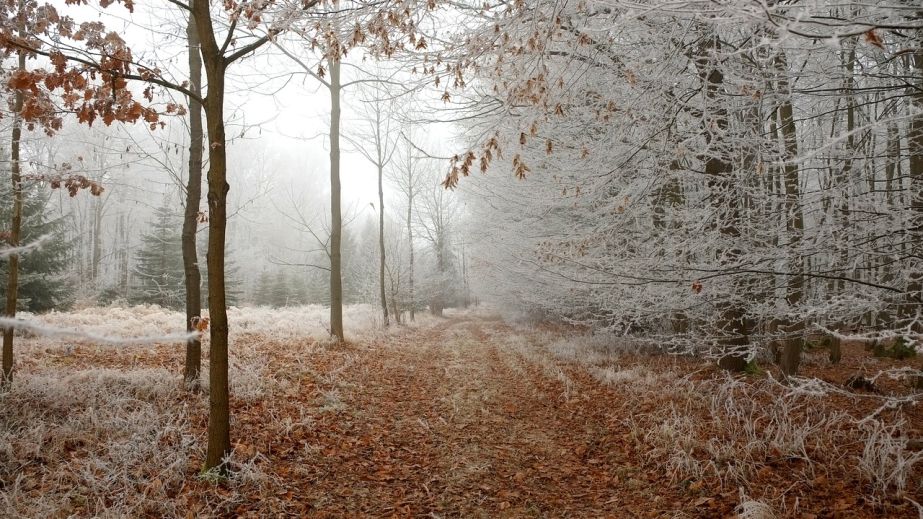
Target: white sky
[288,114]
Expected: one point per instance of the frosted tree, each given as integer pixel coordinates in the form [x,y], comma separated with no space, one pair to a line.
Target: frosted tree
[681,177]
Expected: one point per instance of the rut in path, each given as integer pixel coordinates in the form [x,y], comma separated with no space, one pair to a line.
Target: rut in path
[461,422]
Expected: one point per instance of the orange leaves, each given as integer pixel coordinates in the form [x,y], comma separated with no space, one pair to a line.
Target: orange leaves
[200,324]
[23,80]
[520,169]
[872,37]
[90,80]
[697,286]
[173,108]
[72,183]
[358,35]
[491,147]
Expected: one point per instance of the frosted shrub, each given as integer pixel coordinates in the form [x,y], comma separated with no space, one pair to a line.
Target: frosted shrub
[753,509]
[885,461]
[110,443]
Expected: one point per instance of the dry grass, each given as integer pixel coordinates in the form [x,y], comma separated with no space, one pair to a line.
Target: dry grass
[108,431]
[750,434]
[125,441]
[95,443]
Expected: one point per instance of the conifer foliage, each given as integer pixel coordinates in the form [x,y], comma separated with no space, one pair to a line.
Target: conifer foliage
[43,282]
[159,271]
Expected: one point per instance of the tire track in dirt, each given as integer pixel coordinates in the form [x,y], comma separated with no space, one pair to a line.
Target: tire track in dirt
[454,421]
[511,444]
[543,454]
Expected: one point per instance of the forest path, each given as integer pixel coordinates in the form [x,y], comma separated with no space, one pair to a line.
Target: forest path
[461,420]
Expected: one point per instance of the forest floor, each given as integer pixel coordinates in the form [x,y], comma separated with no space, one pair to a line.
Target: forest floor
[462,417]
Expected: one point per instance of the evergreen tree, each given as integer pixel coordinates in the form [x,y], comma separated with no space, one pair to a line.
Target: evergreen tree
[43,284]
[261,296]
[159,273]
[233,284]
[278,290]
[281,292]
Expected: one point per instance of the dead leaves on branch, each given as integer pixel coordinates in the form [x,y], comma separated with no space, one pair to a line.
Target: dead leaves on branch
[92,84]
[72,183]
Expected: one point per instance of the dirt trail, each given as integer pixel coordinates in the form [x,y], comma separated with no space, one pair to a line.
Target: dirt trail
[472,418]
[462,417]
[456,422]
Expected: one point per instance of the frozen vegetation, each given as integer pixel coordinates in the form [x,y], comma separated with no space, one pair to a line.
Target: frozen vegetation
[245,250]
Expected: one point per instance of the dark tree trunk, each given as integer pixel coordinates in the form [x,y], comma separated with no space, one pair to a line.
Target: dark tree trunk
[123,255]
[915,151]
[219,437]
[437,304]
[791,354]
[12,287]
[732,321]
[193,277]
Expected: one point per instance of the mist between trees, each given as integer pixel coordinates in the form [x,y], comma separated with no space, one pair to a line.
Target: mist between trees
[737,182]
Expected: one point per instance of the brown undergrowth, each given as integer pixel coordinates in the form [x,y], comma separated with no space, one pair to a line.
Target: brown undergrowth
[465,417]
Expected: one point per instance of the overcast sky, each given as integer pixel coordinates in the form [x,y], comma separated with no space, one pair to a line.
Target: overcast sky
[268,99]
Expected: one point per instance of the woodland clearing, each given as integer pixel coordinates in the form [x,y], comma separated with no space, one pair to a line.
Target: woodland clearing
[467,416]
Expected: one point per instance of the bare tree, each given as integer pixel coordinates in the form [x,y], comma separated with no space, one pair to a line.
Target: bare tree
[191,216]
[377,142]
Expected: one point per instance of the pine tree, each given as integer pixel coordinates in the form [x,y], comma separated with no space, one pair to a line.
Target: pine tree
[280,291]
[43,284]
[159,273]
[233,284]
[261,295]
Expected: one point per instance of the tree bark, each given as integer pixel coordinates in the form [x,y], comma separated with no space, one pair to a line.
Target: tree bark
[791,356]
[193,277]
[915,152]
[336,218]
[219,437]
[413,303]
[124,246]
[381,236]
[732,316]
[437,303]
[97,253]
[12,286]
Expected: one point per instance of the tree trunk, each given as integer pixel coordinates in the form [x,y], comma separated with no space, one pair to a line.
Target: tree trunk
[846,177]
[791,355]
[193,277]
[732,322]
[123,256]
[12,287]
[97,253]
[395,306]
[794,223]
[467,296]
[219,437]
[915,152]
[381,239]
[413,303]
[336,222]
[437,304]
